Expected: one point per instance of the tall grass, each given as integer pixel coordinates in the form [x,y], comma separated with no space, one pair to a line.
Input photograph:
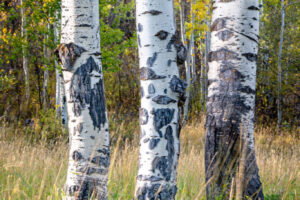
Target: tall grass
[38,171]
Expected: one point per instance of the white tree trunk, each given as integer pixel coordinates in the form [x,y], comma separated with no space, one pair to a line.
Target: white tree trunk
[231,98]
[60,88]
[63,103]
[25,58]
[57,91]
[261,8]
[203,74]
[61,110]
[279,90]
[57,73]
[188,77]
[189,55]
[46,72]
[80,55]
[207,50]
[161,90]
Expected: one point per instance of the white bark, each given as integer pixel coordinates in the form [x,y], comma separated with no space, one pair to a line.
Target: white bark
[203,74]
[60,88]
[261,13]
[57,91]
[188,77]
[261,8]
[207,50]
[189,55]
[279,73]
[160,91]
[80,55]
[231,96]
[204,65]
[63,103]
[25,58]
[57,73]
[46,72]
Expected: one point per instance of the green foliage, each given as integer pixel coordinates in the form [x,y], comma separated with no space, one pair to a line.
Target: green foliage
[120,57]
[268,63]
[114,41]
[48,127]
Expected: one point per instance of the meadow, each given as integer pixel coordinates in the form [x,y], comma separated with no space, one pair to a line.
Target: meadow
[37,169]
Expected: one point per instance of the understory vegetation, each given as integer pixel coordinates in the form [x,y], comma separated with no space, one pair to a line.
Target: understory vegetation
[33,169]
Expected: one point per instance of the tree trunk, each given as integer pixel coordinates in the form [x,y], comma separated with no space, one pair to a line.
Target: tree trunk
[60,88]
[63,103]
[229,142]
[57,72]
[25,59]
[261,8]
[161,90]
[46,73]
[207,50]
[203,74]
[57,92]
[279,98]
[79,53]
[61,110]
[189,56]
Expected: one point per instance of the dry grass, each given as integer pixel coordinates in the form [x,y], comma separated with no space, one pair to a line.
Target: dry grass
[38,171]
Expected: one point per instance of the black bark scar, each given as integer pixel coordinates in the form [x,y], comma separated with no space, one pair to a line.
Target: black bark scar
[82,93]
[148,74]
[151,60]
[162,35]
[164,100]
[67,54]
[152,12]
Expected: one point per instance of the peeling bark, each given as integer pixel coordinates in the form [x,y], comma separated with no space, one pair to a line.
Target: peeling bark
[159,49]
[229,143]
[79,53]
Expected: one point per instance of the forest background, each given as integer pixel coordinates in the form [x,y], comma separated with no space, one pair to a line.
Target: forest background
[29,108]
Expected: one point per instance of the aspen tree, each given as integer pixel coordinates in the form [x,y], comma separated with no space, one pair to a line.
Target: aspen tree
[79,53]
[161,92]
[231,99]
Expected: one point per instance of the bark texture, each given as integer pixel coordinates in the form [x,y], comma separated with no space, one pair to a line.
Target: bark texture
[229,144]
[162,90]
[79,53]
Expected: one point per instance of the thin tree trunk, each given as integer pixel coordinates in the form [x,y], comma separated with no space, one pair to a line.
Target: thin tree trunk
[194,73]
[161,90]
[60,88]
[279,98]
[57,92]
[261,10]
[61,110]
[188,60]
[25,58]
[203,74]
[231,99]
[63,103]
[79,53]
[46,73]
[57,73]
[207,50]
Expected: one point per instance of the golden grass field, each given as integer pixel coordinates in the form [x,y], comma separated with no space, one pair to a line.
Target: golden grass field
[38,171]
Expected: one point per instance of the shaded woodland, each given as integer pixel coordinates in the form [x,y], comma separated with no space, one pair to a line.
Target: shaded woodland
[119,57]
